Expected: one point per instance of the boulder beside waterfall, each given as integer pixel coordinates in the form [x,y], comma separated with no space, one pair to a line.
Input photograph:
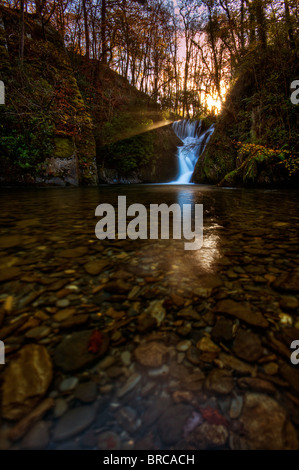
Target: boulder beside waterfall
[162,166]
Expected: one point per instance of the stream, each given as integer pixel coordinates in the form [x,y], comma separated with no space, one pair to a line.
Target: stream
[139,344]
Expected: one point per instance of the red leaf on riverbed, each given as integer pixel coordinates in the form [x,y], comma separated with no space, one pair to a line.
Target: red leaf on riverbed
[95,341]
[212,416]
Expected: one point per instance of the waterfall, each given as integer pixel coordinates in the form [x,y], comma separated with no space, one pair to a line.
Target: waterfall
[194,143]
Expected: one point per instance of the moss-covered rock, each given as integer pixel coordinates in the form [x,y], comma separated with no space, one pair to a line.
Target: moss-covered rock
[64,147]
[148,157]
[217,160]
[258,166]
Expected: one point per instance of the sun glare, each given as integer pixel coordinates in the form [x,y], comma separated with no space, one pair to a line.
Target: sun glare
[213,101]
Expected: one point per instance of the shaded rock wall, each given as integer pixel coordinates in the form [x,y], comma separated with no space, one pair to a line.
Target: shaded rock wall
[161,167]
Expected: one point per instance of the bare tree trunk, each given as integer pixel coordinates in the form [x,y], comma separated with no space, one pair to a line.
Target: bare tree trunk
[252,35]
[217,74]
[289,24]
[86,28]
[261,22]
[104,32]
[38,8]
[22,32]
[242,35]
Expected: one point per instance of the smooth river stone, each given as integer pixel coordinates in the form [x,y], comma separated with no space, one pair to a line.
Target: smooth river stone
[38,333]
[183,346]
[172,422]
[64,314]
[151,354]
[256,384]
[9,261]
[1,316]
[126,358]
[291,374]
[37,437]
[8,274]
[26,380]
[223,330]
[211,435]
[236,364]
[156,310]
[206,284]
[22,427]
[86,392]
[10,241]
[247,346]
[266,425]
[205,344]
[68,384]
[289,302]
[73,252]
[131,383]
[288,282]
[95,267]
[74,422]
[72,353]
[62,303]
[241,311]
[219,381]
[28,223]
[236,407]
[189,313]
[210,281]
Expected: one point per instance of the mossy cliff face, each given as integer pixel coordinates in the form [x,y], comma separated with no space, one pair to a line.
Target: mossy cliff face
[164,165]
[218,158]
[67,118]
[46,131]
[147,157]
[256,139]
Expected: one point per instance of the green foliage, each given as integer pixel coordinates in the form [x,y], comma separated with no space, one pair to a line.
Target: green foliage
[256,154]
[291,163]
[260,153]
[129,143]
[257,165]
[124,125]
[129,154]
[25,148]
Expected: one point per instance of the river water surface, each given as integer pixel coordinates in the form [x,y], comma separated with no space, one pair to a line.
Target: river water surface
[143,345]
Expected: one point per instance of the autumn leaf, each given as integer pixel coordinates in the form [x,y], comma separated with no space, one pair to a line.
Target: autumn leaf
[95,342]
[212,416]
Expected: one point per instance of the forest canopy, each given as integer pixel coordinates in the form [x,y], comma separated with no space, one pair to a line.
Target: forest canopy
[184,53]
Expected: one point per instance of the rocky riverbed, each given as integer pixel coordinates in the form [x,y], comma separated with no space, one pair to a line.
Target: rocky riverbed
[140,344]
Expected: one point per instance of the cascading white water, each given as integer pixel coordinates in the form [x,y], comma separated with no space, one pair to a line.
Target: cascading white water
[194,144]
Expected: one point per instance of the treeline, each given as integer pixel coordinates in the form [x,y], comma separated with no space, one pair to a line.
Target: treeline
[184,53]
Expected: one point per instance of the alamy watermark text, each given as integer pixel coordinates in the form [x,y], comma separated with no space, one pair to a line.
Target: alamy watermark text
[295,92]
[145,225]
[2,92]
